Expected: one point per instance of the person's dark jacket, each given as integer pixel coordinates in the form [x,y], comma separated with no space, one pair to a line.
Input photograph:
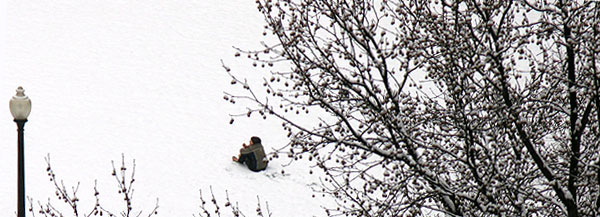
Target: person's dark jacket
[254,157]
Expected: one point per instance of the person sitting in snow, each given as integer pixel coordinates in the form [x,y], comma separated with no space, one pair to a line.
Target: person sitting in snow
[252,155]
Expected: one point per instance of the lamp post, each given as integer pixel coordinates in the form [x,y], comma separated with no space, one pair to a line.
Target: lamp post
[20,107]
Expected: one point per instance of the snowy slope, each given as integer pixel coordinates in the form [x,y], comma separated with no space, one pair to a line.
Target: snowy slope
[142,78]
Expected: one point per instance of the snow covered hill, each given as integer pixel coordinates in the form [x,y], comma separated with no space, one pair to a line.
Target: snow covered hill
[142,78]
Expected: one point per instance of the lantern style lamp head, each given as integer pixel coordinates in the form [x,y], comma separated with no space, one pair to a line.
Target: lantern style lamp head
[20,105]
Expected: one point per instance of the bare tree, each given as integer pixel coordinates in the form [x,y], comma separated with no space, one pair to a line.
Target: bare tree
[214,207]
[457,108]
[125,188]
[125,182]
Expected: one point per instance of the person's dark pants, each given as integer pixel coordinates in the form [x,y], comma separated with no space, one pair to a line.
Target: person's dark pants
[250,161]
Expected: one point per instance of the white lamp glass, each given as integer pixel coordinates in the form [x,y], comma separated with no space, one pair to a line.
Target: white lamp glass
[20,105]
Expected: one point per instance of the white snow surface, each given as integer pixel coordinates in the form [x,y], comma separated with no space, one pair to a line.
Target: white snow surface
[142,78]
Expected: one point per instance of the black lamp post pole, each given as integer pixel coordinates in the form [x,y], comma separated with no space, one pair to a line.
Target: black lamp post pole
[21,159]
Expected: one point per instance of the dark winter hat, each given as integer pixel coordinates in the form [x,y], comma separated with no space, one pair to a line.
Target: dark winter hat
[255,140]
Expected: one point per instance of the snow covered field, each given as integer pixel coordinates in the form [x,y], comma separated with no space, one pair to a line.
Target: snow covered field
[142,78]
